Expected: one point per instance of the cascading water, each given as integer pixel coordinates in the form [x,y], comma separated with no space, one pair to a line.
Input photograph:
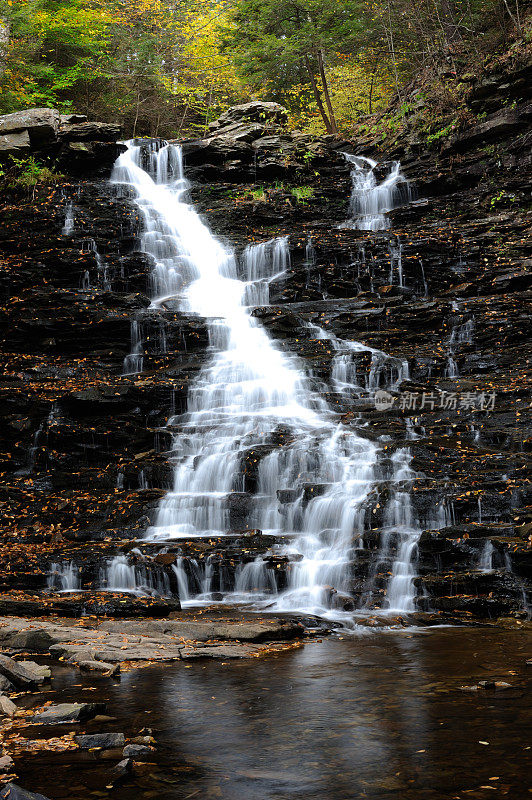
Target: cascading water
[68,226]
[373,197]
[64,577]
[242,399]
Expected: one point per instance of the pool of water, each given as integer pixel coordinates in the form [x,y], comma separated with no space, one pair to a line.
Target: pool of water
[376,716]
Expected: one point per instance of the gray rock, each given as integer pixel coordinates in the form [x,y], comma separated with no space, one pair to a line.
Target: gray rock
[14,144]
[68,712]
[7,706]
[20,676]
[40,669]
[107,741]
[224,651]
[99,666]
[6,764]
[90,132]
[42,124]
[5,685]
[13,792]
[72,119]
[36,639]
[256,110]
[138,752]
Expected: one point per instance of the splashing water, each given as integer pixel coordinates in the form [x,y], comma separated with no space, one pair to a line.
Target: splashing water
[371,198]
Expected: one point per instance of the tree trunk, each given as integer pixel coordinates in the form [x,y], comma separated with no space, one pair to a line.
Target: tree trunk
[317,96]
[332,118]
[4,44]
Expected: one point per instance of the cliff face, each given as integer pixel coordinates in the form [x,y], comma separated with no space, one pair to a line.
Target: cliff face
[86,452]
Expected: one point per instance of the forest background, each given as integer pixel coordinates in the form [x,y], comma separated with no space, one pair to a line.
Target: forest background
[169,67]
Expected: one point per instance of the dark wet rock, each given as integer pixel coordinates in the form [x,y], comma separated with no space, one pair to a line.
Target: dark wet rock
[105,741]
[121,772]
[13,792]
[68,712]
[5,684]
[112,604]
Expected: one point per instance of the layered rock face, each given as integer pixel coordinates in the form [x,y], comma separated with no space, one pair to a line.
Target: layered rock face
[74,144]
[87,452]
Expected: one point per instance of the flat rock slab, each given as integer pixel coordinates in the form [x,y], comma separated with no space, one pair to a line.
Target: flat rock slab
[69,712]
[267,631]
[221,651]
[102,647]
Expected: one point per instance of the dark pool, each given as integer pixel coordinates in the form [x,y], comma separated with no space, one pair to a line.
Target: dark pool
[377,716]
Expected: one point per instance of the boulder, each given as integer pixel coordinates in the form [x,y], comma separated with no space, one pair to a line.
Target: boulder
[13,792]
[6,764]
[68,712]
[256,111]
[121,772]
[138,752]
[89,131]
[72,119]
[105,741]
[78,156]
[14,144]
[40,669]
[20,676]
[41,124]
[7,706]
[37,639]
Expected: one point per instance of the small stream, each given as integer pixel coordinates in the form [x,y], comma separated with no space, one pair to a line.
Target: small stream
[377,716]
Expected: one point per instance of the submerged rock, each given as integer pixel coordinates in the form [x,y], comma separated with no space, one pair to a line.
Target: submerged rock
[68,712]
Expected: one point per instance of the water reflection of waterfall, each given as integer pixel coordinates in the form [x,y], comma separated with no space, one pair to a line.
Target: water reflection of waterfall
[373,195]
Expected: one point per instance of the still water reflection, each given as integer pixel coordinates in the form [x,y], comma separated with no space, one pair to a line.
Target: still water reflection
[381,716]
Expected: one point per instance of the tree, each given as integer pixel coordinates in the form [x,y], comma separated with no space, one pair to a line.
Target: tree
[281,42]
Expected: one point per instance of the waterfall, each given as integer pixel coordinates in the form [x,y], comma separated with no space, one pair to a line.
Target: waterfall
[485,562]
[64,577]
[247,393]
[371,198]
[133,362]
[68,226]
[399,516]
[120,576]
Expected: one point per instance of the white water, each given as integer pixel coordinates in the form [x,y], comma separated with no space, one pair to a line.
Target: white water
[372,199]
[485,562]
[64,577]
[247,395]
[68,226]
[120,576]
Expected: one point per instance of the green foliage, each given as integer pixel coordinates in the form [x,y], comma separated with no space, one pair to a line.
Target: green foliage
[29,173]
[302,193]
